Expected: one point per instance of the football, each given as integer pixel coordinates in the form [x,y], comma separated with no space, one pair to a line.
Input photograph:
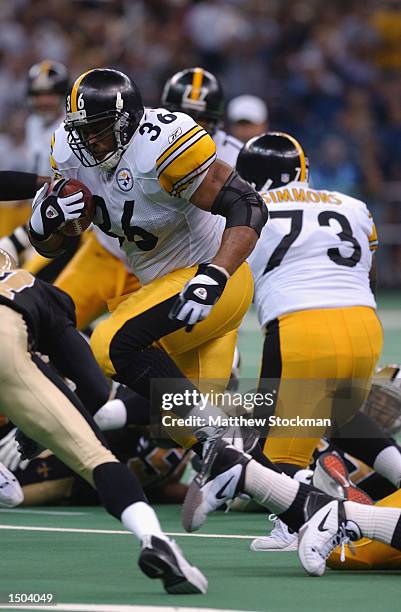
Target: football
[77,226]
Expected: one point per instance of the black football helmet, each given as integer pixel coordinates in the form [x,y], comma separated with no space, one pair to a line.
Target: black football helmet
[48,77]
[198,93]
[272,160]
[102,103]
[48,83]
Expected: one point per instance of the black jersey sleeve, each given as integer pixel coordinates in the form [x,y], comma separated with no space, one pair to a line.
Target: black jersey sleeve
[69,352]
[17,185]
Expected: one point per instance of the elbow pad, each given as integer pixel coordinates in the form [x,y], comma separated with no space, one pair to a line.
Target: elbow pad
[240,204]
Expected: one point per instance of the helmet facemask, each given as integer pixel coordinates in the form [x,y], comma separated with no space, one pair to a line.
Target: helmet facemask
[103,112]
[209,121]
[83,140]
[197,93]
[112,123]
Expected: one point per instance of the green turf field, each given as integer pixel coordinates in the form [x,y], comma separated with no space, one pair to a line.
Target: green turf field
[77,554]
[88,567]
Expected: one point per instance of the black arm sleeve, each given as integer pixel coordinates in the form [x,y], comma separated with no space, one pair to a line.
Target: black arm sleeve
[68,351]
[240,204]
[17,185]
[73,358]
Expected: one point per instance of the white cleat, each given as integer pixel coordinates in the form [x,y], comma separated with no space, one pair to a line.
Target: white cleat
[279,540]
[11,494]
[163,559]
[220,480]
[326,528]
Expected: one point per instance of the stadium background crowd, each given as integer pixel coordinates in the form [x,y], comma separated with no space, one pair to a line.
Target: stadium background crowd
[329,72]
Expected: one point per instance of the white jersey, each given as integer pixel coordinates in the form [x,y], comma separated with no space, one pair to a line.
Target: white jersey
[144,202]
[227,147]
[314,252]
[112,245]
[38,136]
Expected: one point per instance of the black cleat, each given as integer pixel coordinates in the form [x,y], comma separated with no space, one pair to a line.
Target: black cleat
[163,559]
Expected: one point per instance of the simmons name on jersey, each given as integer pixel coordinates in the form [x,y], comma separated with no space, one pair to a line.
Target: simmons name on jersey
[315,252]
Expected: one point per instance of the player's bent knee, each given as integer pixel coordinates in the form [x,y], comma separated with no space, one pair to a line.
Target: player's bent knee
[100,345]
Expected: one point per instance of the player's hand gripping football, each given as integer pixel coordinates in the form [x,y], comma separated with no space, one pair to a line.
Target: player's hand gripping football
[199,295]
[50,211]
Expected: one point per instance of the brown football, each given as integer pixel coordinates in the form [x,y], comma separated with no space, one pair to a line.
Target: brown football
[77,226]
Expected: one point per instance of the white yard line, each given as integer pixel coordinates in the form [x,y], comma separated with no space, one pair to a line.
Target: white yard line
[121,532]
[44,512]
[110,608]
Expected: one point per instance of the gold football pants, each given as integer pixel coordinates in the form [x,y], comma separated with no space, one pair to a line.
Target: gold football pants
[318,357]
[39,408]
[13,214]
[204,353]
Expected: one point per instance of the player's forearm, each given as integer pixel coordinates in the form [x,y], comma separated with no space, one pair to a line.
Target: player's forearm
[73,358]
[19,185]
[53,246]
[41,180]
[223,192]
[236,245]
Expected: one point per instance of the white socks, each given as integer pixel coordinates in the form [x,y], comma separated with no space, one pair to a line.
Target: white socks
[141,519]
[271,489]
[375,522]
[112,415]
[388,464]
[304,476]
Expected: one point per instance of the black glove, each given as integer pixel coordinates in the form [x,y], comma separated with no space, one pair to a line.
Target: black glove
[28,448]
[199,295]
[50,211]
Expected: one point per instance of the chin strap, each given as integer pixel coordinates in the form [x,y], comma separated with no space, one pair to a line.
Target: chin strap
[112,162]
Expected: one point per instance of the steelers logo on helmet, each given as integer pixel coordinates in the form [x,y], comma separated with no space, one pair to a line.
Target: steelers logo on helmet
[198,93]
[103,111]
[271,160]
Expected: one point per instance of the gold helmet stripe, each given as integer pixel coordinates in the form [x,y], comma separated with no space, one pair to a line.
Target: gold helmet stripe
[304,172]
[45,66]
[74,91]
[197,81]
